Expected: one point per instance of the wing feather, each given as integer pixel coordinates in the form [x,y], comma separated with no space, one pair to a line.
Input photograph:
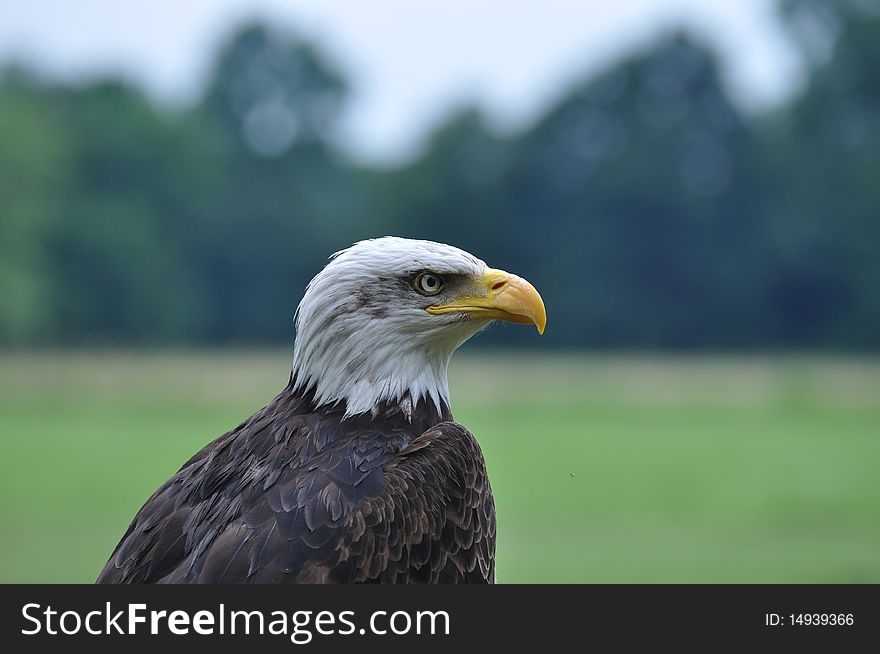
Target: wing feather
[270,503]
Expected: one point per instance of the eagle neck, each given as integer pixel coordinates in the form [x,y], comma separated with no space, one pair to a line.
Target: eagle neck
[404,380]
[412,416]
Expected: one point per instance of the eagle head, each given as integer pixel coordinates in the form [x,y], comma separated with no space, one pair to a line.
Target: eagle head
[380,322]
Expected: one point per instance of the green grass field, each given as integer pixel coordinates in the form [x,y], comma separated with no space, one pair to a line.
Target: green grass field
[624,469]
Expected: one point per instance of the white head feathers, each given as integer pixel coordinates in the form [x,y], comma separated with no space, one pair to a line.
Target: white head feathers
[363,334]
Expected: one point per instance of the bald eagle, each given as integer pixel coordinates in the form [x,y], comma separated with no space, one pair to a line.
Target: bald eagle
[356,471]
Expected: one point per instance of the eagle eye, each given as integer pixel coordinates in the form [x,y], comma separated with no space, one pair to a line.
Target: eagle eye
[428,283]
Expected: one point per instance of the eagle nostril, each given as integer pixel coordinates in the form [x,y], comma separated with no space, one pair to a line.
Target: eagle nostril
[498,285]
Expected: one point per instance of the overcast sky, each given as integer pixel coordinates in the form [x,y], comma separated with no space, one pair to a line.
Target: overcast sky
[410,61]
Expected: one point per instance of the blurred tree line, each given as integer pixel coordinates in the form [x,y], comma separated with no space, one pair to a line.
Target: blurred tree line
[646,207]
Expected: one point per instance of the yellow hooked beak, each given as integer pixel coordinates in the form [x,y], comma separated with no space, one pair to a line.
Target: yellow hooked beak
[500,295]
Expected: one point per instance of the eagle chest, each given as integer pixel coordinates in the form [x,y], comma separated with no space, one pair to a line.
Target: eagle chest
[375,508]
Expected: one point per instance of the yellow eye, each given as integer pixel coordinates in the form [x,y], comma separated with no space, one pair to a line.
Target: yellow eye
[429,283]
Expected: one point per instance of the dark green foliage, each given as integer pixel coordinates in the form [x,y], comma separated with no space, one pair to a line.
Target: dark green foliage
[649,211]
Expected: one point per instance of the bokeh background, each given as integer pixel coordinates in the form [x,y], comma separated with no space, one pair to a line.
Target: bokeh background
[694,187]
